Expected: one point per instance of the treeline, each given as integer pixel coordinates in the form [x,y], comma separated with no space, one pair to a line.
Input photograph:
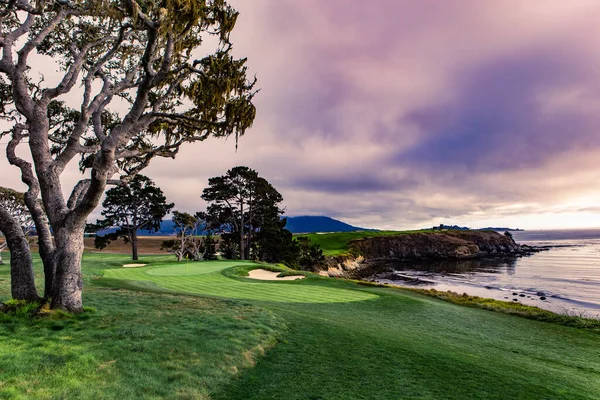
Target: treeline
[243,220]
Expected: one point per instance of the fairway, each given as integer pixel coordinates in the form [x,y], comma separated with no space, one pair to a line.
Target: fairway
[206,278]
[233,338]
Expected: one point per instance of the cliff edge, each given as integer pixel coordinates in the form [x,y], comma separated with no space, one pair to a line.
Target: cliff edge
[445,245]
[437,245]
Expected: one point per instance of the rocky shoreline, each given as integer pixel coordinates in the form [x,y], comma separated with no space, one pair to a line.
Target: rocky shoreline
[368,253]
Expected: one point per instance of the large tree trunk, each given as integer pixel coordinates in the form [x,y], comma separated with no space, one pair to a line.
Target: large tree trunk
[134,244]
[22,282]
[68,285]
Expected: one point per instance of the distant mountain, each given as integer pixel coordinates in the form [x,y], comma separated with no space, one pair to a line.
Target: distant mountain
[310,224]
[167,228]
[302,224]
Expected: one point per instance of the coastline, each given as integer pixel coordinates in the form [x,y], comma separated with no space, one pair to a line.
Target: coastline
[517,309]
[564,280]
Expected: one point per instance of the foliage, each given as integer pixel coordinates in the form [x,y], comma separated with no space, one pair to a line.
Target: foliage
[145,85]
[188,245]
[241,205]
[137,205]
[275,244]
[210,247]
[310,254]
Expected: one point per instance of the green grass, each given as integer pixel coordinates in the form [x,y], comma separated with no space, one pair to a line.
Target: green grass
[338,244]
[206,278]
[513,308]
[358,342]
[136,345]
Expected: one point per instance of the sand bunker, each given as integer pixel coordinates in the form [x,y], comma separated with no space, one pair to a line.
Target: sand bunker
[265,275]
[134,265]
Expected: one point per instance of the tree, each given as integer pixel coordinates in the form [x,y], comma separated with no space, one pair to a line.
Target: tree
[137,205]
[15,224]
[210,247]
[311,255]
[240,202]
[187,244]
[245,207]
[144,93]
[275,244]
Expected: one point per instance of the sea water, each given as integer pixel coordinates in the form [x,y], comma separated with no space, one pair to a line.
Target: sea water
[564,279]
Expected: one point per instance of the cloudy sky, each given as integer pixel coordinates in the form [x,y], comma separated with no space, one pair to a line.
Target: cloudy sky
[399,114]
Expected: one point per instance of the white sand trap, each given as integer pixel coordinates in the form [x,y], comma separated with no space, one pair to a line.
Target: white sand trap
[265,275]
[134,265]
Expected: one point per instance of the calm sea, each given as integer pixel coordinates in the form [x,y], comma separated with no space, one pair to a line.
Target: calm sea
[564,279]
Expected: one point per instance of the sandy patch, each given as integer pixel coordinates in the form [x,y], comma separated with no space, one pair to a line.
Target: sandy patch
[134,265]
[265,275]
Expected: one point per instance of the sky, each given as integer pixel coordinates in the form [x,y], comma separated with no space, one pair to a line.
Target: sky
[398,114]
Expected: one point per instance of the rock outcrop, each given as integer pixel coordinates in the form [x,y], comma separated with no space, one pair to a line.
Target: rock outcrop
[438,245]
[445,245]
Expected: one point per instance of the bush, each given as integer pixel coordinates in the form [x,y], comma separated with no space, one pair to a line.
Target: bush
[311,255]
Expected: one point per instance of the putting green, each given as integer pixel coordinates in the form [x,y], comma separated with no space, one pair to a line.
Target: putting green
[194,268]
[206,278]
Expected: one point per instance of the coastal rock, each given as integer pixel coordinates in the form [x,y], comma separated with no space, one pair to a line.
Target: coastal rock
[342,265]
[367,255]
[442,245]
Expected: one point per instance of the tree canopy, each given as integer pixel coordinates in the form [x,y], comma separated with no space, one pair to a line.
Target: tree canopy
[245,208]
[143,90]
[187,243]
[138,205]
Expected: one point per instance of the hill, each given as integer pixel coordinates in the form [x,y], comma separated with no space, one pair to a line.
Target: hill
[301,224]
[167,228]
[310,224]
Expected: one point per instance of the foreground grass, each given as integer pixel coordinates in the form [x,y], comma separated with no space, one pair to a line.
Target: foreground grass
[338,244]
[363,342]
[136,345]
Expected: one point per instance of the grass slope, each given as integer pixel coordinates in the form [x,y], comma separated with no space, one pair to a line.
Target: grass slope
[359,342]
[338,244]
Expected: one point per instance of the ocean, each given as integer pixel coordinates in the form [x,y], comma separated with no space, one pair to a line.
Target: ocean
[565,279]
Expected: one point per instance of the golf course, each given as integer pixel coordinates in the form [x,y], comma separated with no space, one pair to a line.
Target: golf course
[205,330]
